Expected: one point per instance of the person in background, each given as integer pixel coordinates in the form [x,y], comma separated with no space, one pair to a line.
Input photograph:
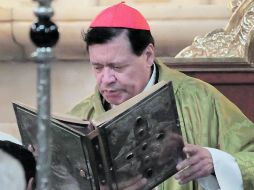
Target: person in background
[219,137]
[12,173]
[25,158]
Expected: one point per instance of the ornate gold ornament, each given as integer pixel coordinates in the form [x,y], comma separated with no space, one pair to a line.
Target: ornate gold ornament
[235,40]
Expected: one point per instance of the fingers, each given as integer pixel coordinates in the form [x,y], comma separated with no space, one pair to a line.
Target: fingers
[190,149]
[190,173]
[187,162]
[138,185]
[197,164]
[130,182]
[30,183]
[135,183]
[34,150]
[30,148]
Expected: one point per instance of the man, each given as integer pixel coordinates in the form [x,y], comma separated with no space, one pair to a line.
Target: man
[25,158]
[121,51]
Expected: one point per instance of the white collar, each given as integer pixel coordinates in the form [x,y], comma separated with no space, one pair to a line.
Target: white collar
[152,78]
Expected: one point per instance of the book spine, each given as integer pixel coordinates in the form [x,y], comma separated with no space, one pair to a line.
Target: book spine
[90,157]
[105,162]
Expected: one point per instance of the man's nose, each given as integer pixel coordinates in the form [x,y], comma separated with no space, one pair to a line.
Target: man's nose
[108,76]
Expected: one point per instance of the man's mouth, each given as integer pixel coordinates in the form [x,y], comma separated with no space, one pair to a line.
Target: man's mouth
[110,93]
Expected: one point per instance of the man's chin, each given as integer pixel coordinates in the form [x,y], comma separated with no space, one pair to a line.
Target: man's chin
[115,101]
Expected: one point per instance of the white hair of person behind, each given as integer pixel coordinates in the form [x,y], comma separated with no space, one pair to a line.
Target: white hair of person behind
[12,173]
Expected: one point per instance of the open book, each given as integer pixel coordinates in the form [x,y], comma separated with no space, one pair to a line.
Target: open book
[142,136]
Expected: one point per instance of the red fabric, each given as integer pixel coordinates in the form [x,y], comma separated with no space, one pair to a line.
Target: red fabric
[120,16]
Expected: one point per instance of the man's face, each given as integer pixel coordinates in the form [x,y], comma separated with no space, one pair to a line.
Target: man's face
[120,74]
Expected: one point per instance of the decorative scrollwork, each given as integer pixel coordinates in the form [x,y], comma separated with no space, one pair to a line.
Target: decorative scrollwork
[228,42]
[234,4]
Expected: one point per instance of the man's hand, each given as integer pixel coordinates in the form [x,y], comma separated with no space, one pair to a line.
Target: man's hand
[34,149]
[198,164]
[136,183]
[133,184]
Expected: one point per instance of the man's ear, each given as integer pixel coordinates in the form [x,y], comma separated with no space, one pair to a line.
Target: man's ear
[149,54]
[30,184]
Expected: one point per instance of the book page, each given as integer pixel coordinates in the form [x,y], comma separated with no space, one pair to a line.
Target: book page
[66,118]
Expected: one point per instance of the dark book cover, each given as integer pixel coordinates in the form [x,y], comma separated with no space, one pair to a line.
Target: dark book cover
[140,137]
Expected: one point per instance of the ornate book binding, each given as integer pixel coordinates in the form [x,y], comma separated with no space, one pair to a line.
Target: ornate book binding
[141,137]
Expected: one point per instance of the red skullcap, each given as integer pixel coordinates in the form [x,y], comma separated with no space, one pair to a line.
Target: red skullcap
[120,16]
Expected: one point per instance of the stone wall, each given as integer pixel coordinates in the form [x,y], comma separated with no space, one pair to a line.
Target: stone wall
[70,83]
[174,24]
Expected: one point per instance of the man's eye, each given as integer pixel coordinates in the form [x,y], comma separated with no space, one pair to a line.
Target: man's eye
[98,68]
[117,67]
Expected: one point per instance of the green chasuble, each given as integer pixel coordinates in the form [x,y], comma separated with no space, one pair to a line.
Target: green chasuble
[207,119]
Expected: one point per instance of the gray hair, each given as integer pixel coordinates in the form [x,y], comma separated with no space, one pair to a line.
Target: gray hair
[12,173]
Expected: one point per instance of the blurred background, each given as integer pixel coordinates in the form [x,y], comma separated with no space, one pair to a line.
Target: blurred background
[174,24]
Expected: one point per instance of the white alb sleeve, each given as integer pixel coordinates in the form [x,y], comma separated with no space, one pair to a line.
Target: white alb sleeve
[227,171]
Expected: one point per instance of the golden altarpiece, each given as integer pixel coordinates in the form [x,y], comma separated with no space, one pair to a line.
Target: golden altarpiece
[225,57]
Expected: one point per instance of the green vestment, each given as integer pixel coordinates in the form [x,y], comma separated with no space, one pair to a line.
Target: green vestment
[207,119]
